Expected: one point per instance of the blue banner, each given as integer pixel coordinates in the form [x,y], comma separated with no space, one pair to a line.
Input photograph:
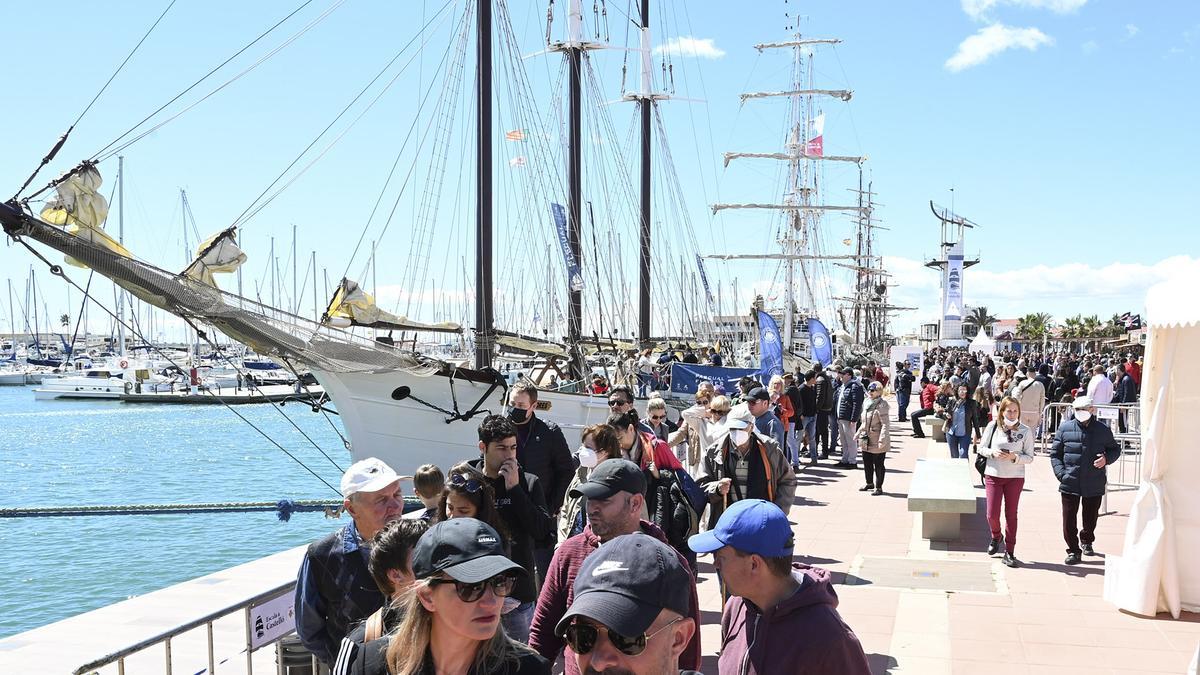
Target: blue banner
[704,278]
[686,377]
[822,345]
[574,275]
[770,347]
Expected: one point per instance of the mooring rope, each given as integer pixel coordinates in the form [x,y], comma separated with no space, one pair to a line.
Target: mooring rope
[284,508]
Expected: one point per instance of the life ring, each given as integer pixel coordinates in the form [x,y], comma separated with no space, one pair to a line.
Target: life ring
[124,363]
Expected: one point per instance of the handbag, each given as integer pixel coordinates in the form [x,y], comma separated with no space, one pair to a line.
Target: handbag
[980,460]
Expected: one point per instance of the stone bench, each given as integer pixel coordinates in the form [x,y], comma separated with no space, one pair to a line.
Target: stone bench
[941,491]
[932,427]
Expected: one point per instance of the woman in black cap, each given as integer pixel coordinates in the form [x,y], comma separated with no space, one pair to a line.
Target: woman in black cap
[452,613]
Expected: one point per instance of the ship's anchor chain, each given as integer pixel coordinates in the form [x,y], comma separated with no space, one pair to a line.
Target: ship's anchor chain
[404,392]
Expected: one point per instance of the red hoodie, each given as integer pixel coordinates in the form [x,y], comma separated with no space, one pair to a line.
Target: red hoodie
[804,631]
[558,591]
[928,395]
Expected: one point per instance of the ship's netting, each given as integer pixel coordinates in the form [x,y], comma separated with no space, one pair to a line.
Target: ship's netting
[267,330]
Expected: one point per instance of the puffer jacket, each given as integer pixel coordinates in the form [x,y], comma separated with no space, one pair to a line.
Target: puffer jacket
[1076,446]
[850,400]
[873,432]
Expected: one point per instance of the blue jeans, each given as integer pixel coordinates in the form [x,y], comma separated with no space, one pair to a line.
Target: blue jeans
[808,427]
[902,405]
[960,446]
[833,431]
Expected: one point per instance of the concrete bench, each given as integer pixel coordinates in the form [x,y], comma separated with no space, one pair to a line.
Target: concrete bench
[932,426]
[941,491]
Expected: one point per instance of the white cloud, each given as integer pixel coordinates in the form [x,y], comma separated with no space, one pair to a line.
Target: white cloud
[980,10]
[992,40]
[1090,47]
[1061,290]
[690,46]
[1131,30]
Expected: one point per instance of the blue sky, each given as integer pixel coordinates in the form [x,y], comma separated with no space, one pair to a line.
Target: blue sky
[1065,127]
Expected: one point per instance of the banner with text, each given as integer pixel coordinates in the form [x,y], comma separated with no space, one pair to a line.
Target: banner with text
[574,275]
[686,377]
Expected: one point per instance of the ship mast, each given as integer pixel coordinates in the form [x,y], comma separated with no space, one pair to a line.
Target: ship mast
[802,213]
[483,190]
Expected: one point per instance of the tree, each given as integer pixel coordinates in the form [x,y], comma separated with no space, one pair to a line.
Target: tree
[1115,326]
[65,320]
[980,318]
[1034,326]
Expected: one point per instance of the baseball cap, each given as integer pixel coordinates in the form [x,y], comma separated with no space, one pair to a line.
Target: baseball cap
[750,526]
[758,394]
[466,549]
[368,475]
[626,582]
[1082,402]
[737,421]
[846,371]
[610,477]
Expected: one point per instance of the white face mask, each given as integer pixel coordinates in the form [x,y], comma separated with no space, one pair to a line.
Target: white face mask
[739,436]
[587,457]
[1083,415]
[1011,423]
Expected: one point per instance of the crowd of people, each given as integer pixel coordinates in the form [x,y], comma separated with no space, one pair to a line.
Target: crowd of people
[535,552]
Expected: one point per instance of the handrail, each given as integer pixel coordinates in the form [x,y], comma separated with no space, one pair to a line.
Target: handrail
[185,627]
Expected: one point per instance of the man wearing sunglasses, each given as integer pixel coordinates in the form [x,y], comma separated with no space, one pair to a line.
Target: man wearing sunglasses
[783,616]
[632,612]
[620,401]
[615,492]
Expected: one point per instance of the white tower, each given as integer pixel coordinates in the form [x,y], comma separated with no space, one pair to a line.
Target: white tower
[951,262]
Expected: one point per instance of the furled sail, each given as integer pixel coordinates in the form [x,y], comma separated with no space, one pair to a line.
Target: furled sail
[352,306]
[218,254]
[81,210]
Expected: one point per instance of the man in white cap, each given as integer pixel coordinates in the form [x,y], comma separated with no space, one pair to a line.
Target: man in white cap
[744,464]
[1082,448]
[335,589]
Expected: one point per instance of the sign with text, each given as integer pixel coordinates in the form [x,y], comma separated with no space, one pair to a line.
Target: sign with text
[272,619]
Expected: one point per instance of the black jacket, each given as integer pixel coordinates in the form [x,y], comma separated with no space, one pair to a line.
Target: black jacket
[808,400]
[371,660]
[824,393]
[793,394]
[524,512]
[543,452]
[904,382]
[1126,390]
[1076,446]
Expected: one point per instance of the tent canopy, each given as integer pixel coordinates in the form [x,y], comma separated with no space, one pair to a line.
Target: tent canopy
[983,343]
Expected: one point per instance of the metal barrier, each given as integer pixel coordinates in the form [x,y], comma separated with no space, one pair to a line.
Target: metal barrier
[259,633]
[1116,415]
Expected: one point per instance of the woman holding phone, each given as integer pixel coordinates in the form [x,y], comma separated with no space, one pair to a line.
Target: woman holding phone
[1008,446]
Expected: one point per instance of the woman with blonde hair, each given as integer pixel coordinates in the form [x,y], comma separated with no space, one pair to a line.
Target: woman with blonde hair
[1008,446]
[451,620]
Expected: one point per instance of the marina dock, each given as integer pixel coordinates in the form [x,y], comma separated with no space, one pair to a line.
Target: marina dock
[275,393]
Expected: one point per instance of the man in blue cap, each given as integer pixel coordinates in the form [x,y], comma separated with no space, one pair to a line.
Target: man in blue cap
[782,612]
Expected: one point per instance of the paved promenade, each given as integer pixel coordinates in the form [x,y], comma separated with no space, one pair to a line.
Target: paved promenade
[1045,617]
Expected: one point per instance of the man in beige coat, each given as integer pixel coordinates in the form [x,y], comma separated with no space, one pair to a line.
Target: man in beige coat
[874,438]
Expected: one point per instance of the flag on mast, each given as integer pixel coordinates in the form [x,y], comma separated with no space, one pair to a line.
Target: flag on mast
[515,135]
[816,145]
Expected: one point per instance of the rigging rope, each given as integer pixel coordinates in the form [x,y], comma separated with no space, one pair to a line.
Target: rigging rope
[58,271]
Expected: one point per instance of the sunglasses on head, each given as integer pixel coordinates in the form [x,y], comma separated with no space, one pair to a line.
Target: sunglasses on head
[501,584]
[463,483]
[582,638]
[614,402]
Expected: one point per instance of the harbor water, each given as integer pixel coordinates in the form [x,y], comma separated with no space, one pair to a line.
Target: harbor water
[70,453]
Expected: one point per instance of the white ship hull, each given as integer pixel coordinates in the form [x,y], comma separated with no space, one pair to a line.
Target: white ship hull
[81,387]
[406,434]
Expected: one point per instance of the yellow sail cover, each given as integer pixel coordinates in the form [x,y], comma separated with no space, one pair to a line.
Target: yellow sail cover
[351,303]
[81,210]
[217,254]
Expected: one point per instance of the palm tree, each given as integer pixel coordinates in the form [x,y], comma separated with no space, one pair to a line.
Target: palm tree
[1034,326]
[1115,326]
[980,318]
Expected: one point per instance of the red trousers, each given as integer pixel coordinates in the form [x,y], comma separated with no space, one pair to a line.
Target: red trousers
[1008,491]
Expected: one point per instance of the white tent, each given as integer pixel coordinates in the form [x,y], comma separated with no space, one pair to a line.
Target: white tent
[982,344]
[1157,571]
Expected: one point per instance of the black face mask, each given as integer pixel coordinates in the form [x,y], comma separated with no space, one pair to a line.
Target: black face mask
[517,416]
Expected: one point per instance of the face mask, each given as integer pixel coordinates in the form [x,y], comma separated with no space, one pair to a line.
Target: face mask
[739,436]
[1083,415]
[587,457]
[1011,423]
[516,415]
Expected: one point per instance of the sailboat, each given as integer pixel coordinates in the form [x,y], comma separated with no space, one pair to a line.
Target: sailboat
[403,406]
[806,264]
